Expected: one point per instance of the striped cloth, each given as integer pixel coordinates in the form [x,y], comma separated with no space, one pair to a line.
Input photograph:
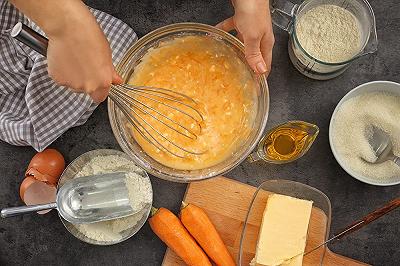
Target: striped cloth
[34,111]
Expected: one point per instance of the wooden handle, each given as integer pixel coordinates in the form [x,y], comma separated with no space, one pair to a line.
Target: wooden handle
[390,206]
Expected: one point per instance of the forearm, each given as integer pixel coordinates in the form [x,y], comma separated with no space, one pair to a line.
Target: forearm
[251,6]
[54,16]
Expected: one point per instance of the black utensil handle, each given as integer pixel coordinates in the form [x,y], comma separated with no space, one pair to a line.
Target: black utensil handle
[390,206]
[31,38]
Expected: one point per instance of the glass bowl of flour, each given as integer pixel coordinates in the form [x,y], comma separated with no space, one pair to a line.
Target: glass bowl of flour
[374,103]
[107,161]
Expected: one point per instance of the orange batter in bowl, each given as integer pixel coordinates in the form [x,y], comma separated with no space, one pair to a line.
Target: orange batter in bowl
[211,73]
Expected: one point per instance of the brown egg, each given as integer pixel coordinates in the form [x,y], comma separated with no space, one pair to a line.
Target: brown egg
[46,166]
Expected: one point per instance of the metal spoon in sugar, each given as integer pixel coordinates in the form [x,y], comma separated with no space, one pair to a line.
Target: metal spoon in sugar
[382,146]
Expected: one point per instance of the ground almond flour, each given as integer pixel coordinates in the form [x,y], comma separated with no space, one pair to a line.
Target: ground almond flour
[329,33]
[351,130]
[140,193]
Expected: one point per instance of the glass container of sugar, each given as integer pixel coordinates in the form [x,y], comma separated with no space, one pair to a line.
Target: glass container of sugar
[325,36]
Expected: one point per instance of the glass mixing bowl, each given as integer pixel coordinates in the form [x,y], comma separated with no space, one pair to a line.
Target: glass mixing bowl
[122,132]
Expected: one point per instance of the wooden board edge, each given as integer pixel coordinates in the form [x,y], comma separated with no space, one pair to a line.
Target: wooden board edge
[214,179]
[330,258]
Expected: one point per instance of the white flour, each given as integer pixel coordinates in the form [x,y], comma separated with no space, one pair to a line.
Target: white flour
[140,193]
[329,33]
[351,130]
[137,189]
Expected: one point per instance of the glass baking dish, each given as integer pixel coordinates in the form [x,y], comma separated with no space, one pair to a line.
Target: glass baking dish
[318,229]
[122,132]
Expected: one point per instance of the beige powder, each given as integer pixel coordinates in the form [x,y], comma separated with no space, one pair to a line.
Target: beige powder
[140,193]
[329,33]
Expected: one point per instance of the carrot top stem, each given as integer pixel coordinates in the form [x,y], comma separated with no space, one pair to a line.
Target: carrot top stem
[153,211]
[184,204]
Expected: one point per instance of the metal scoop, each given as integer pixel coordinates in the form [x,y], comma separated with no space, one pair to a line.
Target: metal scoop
[382,146]
[87,199]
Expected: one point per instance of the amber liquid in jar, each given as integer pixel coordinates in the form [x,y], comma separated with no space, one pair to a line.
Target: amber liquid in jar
[286,142]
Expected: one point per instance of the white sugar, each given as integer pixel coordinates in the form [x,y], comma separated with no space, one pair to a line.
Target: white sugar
[352,128]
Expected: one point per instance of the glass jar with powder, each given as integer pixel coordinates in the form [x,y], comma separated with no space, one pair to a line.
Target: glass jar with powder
[325,36]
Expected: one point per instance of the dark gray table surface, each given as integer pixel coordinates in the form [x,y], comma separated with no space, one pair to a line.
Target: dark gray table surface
[42,240]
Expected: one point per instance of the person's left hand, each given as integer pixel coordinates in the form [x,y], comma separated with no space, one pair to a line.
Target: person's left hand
[252,21]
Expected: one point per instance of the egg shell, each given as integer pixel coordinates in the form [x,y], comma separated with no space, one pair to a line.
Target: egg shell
[34,192]
[46,166]
[25,184]
[32,172]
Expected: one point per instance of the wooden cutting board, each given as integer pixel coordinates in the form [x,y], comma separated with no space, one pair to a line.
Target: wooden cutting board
[226,202]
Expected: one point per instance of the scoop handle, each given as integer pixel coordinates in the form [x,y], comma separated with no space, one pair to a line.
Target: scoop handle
[14,211]
[31,38]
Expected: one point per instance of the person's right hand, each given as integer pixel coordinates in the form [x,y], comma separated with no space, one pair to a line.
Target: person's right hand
[252,21]
[79,57]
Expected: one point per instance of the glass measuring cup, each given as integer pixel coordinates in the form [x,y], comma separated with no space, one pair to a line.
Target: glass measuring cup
[285,14]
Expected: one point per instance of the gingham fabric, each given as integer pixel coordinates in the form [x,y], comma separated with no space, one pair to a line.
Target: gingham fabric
[34,111]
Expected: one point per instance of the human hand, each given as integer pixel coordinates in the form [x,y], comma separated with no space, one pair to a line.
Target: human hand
[78,54]
[252,21]
[79,57]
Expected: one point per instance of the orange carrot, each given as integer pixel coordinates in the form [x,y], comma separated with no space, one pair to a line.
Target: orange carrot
[201,228]
[170,230]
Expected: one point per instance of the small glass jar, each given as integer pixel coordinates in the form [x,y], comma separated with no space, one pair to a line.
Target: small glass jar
[285,143]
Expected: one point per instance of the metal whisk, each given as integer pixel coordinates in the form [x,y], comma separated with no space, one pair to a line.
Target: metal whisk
[132,102]
[137,104]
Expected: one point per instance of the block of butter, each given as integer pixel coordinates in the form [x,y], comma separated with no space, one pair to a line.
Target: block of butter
[283,231]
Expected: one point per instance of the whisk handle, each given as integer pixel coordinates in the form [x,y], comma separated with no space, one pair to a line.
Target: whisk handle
[31,38]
